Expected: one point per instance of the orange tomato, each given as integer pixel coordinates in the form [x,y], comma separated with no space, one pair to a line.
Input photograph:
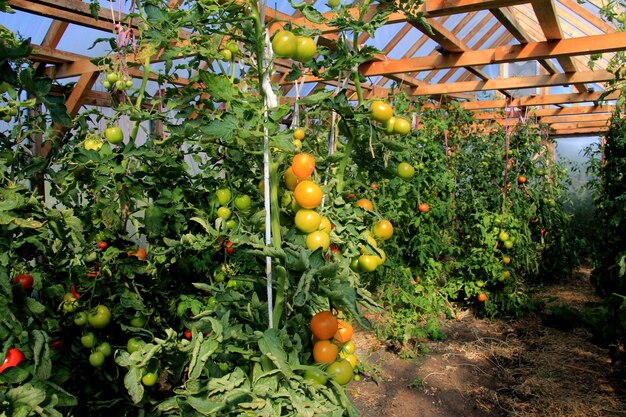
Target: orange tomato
[308,194]
[140,253]
[324,351]
[366,204]
[324,325]
[482,297]
[303,165]
[344,332]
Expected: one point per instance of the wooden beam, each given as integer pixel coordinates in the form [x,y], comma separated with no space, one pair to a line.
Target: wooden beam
[553,99]
[578,118]
[590,131]
[502,54]
[508,20]
[548,19]
[55,33]
[515,83]
[71,11]
[433,8]
[562,111]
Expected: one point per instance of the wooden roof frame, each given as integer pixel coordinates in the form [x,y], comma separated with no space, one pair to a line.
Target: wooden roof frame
[536,27]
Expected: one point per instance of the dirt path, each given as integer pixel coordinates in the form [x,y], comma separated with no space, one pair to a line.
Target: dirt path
[498,368]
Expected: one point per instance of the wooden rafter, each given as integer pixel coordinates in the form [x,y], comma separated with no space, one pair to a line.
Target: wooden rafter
[546,100]
[502,54]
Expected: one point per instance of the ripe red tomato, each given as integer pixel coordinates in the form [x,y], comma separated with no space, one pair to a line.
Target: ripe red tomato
[344,332]
[325,351]
[424,208]
[14,357]
[284,44]
[114,134]
[308,194]
[382,229]
[381,111]
[25,280]
[365,203]
[324,325]
[303,165]
[102,245]
[187,334]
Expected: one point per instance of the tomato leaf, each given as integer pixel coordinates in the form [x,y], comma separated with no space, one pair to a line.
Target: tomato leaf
[309,12]
[26,395]
[41,352]
[132,382]
[35,306]
[219,87]
[271,345]
[201,354]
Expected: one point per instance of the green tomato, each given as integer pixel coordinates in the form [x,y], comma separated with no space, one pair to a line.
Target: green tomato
[105,348]
[226,55]
[96,359]
[88,340]
[508,244]
[406,171]
[138,321]
[230,224]
[305,49]
[70,303]
[223,196]
[284,44]
[100,317]
[315,376]
[114,135]
[149,379]
[80,319]
[503,236]
[134,344]
[224,213]
[333,4]
[112,77]
[340,371]
[120,85]
[232,47]
[106,84]
[243,202]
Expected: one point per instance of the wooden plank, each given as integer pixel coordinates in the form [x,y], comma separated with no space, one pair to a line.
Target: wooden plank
[502,54]
[547,16]
[71,11]
[55,33]
[507,19]
[566,133]
[515,83]
[562,111]
[578,118]
[433,8]
[553,99]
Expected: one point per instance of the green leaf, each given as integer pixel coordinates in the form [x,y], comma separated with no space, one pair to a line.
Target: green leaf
[223,128]
[200,356]
[219,87]
[26,395]
[35,306]
[153,220]
[309,12]
[132,382]
[271,346]
[41,351]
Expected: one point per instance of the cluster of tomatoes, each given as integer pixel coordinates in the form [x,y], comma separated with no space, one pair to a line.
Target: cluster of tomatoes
[508,242]
[230,51]
[333,349]
[307,197]
[119,82]
[372,256]
[241,202]
[383,113]
[286,44]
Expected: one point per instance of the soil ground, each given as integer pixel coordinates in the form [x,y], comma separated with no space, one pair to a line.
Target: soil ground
[498,368]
